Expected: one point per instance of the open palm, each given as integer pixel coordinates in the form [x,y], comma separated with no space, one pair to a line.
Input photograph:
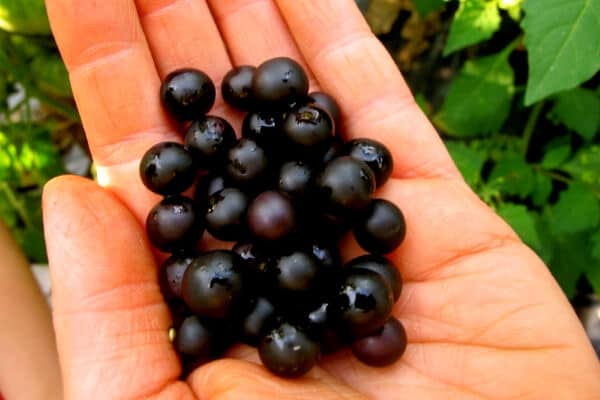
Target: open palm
[484,317]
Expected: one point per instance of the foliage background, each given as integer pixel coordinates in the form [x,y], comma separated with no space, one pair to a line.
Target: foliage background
[511,85]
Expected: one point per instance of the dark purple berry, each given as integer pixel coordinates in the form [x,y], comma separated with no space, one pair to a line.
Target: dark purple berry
[279,81]
[226,214]
[171,273]
[237,87]
[167,168]
[187,94]
[271,216]
[258,321]
[247,163]
[295,274]
[174,224]
[295,178]
[309,130]
[196,338]
[381,266]
[382,348]
[335,150]
[213,285]
[374,154]
[286,351]
[382,228]
[327,103]
[209,139]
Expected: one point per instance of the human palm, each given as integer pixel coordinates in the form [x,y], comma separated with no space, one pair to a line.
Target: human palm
[483,315]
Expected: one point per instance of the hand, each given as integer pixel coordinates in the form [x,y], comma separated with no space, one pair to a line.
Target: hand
[484,317]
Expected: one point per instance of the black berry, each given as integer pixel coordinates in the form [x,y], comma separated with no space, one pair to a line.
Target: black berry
[247,163]
[187,94]
[271,216]
[279,81]
[374,154]
[381,266]
[171,273]
[196,337]
[327,103]
[382,348]
[263,127]
[226,214]
[167,168]
[309,130]
[174,224]
[209,139]
[382,228]
[296,178]
[237,87]
[295,273]
[258,321]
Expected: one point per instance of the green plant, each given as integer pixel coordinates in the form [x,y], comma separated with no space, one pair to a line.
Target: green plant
[519,112]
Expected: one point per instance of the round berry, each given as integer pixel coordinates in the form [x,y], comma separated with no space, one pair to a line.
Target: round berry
[286,351]
[247,163]
[295,178]
[382,228]
[327,103]
[237,87]
[346,185]
[174,224]
[271,216]
[167,168]
[363,303]
[226,214]
[258,321]
[171,273]
[382,348]
[295,273]
[279,81]
[381,266]
[206,187]
[374,154]
[187,94]
[209,139]
[213,285]
[196,338]
[335,150]
[309,130]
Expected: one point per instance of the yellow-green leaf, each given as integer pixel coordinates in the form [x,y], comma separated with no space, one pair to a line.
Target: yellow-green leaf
[474,21]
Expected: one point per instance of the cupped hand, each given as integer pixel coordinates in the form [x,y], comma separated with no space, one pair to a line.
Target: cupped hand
[484,317]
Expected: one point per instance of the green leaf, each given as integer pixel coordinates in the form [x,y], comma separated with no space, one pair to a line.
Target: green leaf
[469,161]
[32,243]
[556,152]
[578,110]
[474,21]
[51,75]
[479,98]
[512,7]
[585,166]
[577,210]
[571,259]
[561,37]
[425,7]
[21,16]
[542,189]
[523,222]
[595,240]
[513,176]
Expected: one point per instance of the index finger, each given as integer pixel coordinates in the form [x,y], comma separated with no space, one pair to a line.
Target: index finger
[351,64]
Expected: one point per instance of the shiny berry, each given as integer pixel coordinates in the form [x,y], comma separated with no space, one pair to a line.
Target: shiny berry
[209,139]
[196,338]
[327,103]
[206,187]
[382,228]
[295,273]
[174,224]
[263,127]
[374,154]
[383,347]
[335,150]
[237,87]
[213,285]
[271,216]
[247,163]
[226,214]
[167,168]
[381,266]
[279,81]
[296,178]
[258,321]
[171,273]
[187,94]
[328,255]
[287,351]
[309,130]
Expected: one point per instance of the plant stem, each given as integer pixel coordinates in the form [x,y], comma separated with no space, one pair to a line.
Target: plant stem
[534,115]
[16,204]
[553,175]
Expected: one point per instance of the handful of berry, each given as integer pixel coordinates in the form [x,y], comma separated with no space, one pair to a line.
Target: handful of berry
[285,193]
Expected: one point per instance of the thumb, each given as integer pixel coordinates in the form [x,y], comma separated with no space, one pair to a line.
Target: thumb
[110,319]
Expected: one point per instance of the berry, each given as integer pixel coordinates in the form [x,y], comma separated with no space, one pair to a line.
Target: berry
[174,224]
[382,348]
[327,103]
[247,163]
[309,130]
[286,351]
[236,88]
[206,187]
[187,94]
[374,154]
[330,260]
[213,285]
[382,228]
[226,213]
[271,216]
[363,303]
[258,321]
[295,178]
[279,81]
[295,273]
[167,168]
[171,273]
[381,266]
[196,337]
[346,185]
[263,127]
[335,150]
[209,139]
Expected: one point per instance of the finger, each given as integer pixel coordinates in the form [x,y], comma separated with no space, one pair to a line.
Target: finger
[351,64]
[110,319]
[182,33]
[237,21]
[116,88]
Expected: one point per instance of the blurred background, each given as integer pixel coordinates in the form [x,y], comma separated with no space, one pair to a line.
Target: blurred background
[511,85]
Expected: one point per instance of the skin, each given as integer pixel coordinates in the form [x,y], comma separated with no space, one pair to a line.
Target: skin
[28,360]
[485,319]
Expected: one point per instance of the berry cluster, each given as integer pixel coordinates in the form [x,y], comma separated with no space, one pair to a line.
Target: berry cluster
[285,192]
